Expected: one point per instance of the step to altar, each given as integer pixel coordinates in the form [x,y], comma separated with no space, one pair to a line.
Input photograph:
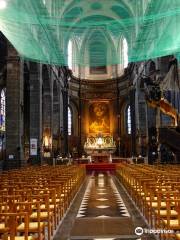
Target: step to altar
[100,167]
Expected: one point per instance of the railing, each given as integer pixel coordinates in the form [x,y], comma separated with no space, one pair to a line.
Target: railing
[170,137]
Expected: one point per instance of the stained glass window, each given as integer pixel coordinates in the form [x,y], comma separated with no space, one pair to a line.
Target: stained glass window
[69,121]
[128,120]
[125,53]
[70,55]
[3,111]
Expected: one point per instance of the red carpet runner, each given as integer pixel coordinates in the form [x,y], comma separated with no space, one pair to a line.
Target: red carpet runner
[101,167]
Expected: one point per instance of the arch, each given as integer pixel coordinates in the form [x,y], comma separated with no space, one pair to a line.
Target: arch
[75,113]
[116,10]
[98,59]
[73,14]
[100,37]
[125,111]
[125,138]
[72,54]
[123,52]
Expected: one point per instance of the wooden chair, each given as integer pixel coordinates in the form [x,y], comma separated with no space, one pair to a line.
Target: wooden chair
[34,227]
[46,214]
[11,223]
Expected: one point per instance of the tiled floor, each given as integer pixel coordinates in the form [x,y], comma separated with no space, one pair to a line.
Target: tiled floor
[102,210]
[102,199]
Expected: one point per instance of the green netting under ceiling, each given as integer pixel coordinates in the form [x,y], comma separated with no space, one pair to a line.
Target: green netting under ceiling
[40,30]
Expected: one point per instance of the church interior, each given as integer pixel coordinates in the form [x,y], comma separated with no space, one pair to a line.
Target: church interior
[89,120]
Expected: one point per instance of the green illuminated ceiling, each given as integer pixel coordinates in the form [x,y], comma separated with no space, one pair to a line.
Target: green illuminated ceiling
[40,29]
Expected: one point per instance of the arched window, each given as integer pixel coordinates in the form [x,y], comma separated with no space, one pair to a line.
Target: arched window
[69,121]
[98,57]
[70,49]
[128,119]
[125,53]
[3,111]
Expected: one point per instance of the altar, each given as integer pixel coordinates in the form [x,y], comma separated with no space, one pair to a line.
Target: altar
[101,157]
[100,148]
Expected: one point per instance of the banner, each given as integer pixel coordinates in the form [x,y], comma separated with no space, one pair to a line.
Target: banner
[33,147]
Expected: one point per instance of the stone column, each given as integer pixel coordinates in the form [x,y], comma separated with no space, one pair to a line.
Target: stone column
[65,121]
[158,125]
[14,111]
[80,149]
[133,121]
[56,121]
[118,112]
[36,110]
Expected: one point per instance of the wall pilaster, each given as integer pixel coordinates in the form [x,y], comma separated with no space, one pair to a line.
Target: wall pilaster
[14,111]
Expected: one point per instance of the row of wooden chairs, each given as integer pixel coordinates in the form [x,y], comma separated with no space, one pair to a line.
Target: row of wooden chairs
[34,200]
[156,192]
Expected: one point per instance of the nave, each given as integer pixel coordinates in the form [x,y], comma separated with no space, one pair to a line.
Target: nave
[89,119]
[102,210]
[63,202]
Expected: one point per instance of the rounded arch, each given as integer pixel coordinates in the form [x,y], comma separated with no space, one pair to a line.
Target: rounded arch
[100,36]
[78,11]
[83,22]
[126,113]
[125,142]
[122,54]
[72,55]
[74,120]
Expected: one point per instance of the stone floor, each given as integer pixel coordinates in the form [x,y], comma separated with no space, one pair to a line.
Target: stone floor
[101,210]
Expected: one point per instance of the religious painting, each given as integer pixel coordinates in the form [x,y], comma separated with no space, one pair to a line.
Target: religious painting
[99,120]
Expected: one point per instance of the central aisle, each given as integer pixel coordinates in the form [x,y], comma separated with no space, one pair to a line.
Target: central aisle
[102,199]
[102,212]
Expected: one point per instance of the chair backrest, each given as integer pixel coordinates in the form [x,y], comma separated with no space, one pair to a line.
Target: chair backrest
[12,220]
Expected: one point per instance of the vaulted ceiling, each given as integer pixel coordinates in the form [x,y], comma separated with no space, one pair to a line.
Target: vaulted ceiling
[41,29]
